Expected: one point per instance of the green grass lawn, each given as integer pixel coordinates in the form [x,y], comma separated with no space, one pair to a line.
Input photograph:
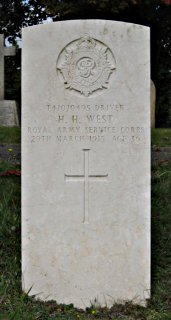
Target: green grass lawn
[10,135]
[4,166]
[161,137]
[15,305]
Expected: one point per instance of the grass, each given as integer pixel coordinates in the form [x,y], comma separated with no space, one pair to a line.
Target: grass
[10,135]
[4,166]
[161,137]
[15,305]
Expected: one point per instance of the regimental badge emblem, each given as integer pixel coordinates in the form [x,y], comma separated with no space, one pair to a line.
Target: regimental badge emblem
[85,66]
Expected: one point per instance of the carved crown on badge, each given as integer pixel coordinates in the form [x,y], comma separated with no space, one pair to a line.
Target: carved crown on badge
[86,65]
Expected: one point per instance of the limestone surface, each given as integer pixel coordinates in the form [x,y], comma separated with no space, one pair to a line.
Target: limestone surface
[86,162]
[8,113]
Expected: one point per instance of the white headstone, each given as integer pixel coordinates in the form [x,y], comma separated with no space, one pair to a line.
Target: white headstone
[86,162]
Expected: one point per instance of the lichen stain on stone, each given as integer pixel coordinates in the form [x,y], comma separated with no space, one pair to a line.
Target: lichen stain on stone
[128,31]
[105,30]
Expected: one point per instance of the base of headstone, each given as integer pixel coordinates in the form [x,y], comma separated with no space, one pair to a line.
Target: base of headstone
[8,113]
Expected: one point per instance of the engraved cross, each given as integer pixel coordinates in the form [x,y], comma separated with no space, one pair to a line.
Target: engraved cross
[4,51]
[86,178]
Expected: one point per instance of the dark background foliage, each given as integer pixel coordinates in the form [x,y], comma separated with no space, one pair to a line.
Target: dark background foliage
[15,14]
